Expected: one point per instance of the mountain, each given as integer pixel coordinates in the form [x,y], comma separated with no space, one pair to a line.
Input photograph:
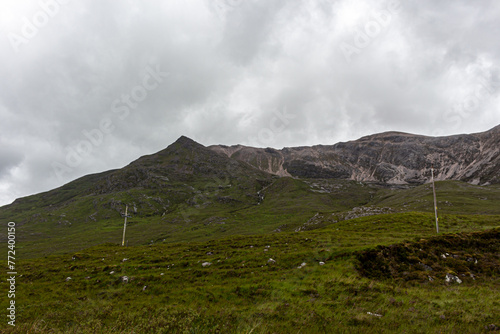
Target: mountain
[225,240]
[183,161]
[390,157]
[189,192]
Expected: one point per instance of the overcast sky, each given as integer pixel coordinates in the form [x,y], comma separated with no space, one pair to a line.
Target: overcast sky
[87,86]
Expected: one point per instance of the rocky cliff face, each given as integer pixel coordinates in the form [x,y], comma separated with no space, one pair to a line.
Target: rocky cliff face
[390,157]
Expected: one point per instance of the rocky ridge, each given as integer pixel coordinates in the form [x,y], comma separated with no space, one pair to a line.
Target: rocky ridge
[389,157]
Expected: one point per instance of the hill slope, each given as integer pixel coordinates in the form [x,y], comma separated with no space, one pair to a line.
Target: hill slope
[188,192]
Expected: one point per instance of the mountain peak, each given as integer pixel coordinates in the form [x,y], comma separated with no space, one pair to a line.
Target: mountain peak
[185,140]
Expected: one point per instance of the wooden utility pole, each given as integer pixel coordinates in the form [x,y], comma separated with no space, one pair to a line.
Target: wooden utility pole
[435,202]
[125,225]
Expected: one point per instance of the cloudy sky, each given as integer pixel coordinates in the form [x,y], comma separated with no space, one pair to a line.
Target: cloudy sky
[88,86]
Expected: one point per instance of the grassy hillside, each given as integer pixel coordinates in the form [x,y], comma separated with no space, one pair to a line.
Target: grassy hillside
[213,208]
[288,282]
[453,197]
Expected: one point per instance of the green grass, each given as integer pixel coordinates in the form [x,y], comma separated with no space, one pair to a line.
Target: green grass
[453,197]
[221,207]
[242,292]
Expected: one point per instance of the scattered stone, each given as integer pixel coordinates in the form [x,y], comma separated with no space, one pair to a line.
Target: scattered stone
[302,265]
[144,288]
[374,314]
[73,258]
[321,263]
[210,253]
[124,260]
[124,279]
[111,272]
[206,264]
[68,279]
[162,274]
[452,279]
[430,279]
[265,249]
[271,261]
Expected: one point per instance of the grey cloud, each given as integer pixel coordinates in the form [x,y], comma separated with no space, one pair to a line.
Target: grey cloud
[9,158]
[232,65]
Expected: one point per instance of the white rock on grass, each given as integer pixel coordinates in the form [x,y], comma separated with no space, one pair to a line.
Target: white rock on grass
[452,279]
[374,314]
[206,264]
[321,263]
[271,261]
[302,265]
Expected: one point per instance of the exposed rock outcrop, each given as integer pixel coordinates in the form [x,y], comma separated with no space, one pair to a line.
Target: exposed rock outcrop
[390,157]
